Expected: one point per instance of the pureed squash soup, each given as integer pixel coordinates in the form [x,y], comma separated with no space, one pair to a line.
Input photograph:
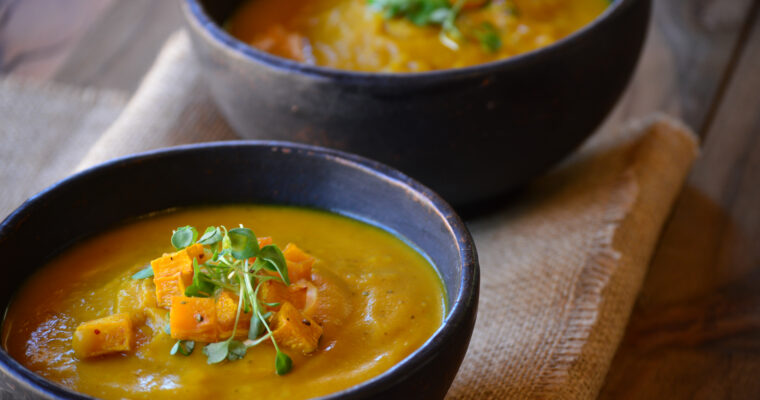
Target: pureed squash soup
[407,35]
[327,302]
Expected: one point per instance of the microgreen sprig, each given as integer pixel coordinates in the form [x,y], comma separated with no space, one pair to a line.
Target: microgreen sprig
[230,268]
[442,13]
[183,237]
[184,347]
[146,272]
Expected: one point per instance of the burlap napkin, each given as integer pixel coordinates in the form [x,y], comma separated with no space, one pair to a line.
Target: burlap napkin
[561,264]
[45,131]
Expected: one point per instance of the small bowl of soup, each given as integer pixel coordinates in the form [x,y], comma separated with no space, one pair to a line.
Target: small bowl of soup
[471,97]
[260,270]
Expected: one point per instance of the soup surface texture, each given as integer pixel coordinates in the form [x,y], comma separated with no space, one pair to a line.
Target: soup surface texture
[407,35]
[385,301]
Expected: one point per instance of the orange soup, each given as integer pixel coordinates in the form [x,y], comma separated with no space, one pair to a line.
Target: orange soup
[310,304]
[407,35]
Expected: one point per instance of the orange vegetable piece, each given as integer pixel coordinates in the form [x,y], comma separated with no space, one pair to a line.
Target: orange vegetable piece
[196,251]
[290,328]
[299,263]
[226,311]
[193,318]
[168,287]
[179,262]
[173,272]
[276,292]
[106,335]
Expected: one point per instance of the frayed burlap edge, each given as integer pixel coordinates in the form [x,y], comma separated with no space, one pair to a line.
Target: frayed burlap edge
[660,159]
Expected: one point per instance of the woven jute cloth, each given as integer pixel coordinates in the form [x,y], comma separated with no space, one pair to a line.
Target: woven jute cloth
[45,131]
[561,264]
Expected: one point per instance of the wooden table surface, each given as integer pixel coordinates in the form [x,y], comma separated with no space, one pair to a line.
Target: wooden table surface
[695,330]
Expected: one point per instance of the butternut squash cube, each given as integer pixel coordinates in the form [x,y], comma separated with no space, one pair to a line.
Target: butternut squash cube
[276,292]
[173,272]
[180,263]
[299,263]
[168,287]
[294,330]
[196,251]
[172,264]
[106,335]
[193,318]
[226,311]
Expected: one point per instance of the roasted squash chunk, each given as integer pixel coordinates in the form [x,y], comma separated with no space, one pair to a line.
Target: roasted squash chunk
[290,328]
[277,292]
[110,334]
[226,311]
[193,318]
[195,251]
[179,262]
[173,272]
[168,287]
[299,263]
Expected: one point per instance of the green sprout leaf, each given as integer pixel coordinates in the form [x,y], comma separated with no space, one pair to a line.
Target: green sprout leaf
[200,287]
[212,235]
[419,12]
[270,257]
[243,243]
[424,12]
[255,329]
[216,352]
[488,37]
[183,237]
[146,272]
[282,363]
[236,351]
[184,347]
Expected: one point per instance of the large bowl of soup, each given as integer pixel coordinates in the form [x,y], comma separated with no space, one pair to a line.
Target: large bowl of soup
[143,278]
[473,98]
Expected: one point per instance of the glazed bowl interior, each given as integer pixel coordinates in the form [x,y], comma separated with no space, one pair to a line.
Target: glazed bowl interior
[250,172]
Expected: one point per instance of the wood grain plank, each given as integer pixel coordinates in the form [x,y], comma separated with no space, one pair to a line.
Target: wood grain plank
[685,61]
[694,332]
[121,46]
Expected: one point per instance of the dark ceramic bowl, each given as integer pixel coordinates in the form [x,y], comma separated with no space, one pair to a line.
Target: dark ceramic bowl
[470,134]
[252,172]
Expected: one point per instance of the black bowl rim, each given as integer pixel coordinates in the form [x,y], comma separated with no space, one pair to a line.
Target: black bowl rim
[457,316]
[199,19]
